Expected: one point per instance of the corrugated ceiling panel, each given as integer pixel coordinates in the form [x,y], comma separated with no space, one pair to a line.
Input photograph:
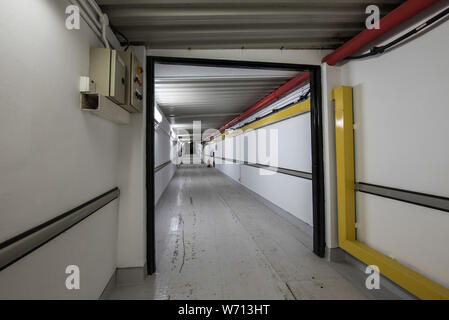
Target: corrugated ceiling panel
[289,24]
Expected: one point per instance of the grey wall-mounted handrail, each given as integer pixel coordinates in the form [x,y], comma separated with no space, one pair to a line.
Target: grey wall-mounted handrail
[158,168]
[290,172]
[23,244]
[417,198]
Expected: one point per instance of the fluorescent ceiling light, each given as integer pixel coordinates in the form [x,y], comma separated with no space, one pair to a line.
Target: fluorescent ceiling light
[157,115]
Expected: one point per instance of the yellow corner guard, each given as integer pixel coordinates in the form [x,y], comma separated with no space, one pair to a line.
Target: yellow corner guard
[408,279]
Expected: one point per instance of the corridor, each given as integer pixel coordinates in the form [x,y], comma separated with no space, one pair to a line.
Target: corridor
[224,150]
[216,241]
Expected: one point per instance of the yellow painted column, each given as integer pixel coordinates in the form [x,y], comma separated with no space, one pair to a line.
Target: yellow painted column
[345,163]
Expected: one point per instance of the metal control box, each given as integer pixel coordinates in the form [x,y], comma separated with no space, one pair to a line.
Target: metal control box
[108,70]
[134,82]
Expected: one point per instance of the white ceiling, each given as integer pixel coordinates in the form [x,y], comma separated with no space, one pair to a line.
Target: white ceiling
[212,95]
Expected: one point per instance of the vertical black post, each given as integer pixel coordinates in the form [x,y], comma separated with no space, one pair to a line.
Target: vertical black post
[151,245]
[319,243]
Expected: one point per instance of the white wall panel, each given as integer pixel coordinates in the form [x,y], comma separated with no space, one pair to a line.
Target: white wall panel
[293,147]
[54,157]
[401,111]
[162,147]
[90,245]
[131,244]
[131,249]
[330,79]
[161,180]
[250,146]
[229,148]
[413,235]
[294,143]
[312,57]
[219,152]
[292,194]
[401,138]
[230,169]
[294,150]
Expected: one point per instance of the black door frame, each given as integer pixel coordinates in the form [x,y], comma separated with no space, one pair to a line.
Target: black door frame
[317,143]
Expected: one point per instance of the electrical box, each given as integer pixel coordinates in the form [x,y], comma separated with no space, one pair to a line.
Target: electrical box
[104,107]
[134,82]
[108,70]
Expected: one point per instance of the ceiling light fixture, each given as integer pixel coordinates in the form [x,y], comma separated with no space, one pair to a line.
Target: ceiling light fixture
[157,115]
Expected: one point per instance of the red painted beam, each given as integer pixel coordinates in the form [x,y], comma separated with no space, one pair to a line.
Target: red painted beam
[396,17]
[275,95]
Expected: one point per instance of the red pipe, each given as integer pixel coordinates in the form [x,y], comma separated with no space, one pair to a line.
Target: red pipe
[275,95]
[396,17]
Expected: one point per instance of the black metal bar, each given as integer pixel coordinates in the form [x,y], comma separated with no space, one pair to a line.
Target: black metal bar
[232,63]
[23,244]
[316,127]
[319,241]
[150,224]
[417,198]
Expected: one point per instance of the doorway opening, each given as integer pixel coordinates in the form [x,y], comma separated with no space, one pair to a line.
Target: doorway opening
[316,139]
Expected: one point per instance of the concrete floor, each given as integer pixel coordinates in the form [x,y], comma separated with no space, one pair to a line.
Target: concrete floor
[216,241]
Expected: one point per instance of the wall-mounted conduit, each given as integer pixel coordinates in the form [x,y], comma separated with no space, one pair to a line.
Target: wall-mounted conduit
[381,49]
[392,20]
[278,115]
[97,22]
[275,95]
[293,98]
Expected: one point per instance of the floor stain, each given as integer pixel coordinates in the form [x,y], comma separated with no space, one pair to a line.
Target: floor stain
[181,221]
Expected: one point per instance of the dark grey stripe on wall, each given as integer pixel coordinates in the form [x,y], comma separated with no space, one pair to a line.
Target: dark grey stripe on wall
[158,168]
[290,172]
[421,199]
[23,244]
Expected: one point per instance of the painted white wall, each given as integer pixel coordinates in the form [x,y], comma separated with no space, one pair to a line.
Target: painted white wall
[162,143]
[312,57]
[162,178]
[91,245]
[294,143]
[413,235]
[331,79]
[293,194]
[53,156]
[231,169]
[164,148]
[401,111]
[131,246]
[290,193]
